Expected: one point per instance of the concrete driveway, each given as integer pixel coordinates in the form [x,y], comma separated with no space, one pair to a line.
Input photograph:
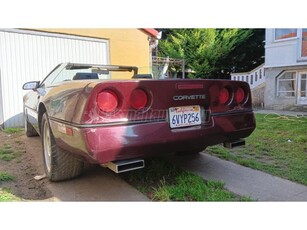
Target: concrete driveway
[95,184]
[242,180]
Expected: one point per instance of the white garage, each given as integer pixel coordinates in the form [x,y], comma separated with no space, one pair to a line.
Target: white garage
[30,55]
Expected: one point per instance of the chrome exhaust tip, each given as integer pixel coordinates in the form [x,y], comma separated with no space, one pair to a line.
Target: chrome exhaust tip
[125,165]
[233,144]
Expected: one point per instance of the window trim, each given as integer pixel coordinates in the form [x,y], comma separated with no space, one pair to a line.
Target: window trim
[284,39]
[286,91]
[300,57]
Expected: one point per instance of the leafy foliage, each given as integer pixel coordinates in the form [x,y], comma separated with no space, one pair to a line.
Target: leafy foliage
[250,53]
[209,53]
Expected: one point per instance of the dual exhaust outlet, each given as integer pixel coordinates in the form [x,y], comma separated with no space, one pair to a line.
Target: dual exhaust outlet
[133,164]
[233,144]
[125,165]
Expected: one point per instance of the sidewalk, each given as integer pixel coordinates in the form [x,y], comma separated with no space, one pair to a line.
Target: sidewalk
[242,180]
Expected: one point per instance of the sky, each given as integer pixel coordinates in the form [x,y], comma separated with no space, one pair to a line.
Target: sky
[152,14]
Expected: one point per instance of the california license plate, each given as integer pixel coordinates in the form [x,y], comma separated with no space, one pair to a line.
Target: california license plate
[184,116]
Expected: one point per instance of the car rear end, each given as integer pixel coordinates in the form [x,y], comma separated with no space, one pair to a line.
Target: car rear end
[118,120]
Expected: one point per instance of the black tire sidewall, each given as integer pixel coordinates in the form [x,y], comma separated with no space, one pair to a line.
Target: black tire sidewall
[45,120]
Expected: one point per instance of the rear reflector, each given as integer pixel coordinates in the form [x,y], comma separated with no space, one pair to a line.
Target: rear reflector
[107,101]
[138,99]
[64,129]
[240,95]
[224,95]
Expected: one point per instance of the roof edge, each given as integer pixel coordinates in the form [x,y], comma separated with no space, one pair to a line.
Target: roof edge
[151,32]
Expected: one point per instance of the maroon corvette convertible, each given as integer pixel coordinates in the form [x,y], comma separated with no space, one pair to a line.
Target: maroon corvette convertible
[82,115]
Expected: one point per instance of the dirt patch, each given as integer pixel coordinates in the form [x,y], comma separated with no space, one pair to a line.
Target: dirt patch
[23,166]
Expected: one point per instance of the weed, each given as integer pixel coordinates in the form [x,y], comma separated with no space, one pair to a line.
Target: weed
[7,154]
[4,177]
[161,193]
[6,195]
[12,130]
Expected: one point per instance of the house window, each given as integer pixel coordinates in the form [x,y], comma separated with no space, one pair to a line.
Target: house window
[286,85]
[247,78]
[285,33]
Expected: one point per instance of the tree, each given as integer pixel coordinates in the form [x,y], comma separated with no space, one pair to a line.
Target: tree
[250,53]
[206,51]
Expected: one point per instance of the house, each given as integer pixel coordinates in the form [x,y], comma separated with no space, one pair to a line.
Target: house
[30,54]
[281,82]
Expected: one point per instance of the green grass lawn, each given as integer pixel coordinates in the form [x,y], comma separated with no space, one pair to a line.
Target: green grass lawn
[278,146]
[5,193]
[163,181]
[12,130]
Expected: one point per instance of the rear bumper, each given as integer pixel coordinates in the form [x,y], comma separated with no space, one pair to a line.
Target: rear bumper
[105,144]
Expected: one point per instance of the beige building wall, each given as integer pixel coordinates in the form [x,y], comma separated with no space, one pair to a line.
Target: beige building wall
[127,46]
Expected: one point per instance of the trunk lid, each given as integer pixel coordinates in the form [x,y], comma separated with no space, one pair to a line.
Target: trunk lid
[162,95]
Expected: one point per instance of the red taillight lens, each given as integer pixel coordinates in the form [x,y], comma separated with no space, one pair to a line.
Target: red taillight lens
[224,95]
[107,101]
[138,99]
[240,95]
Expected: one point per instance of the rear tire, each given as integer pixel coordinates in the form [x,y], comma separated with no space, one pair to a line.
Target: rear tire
[59,164]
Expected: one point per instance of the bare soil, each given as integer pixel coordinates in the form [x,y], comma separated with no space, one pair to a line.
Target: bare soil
[24,167]
[95,184]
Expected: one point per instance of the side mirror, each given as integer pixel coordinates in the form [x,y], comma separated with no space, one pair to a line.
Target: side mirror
[31,85]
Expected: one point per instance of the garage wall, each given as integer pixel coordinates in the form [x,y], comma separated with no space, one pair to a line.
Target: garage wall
[1,103]
[128,46]
[29,55]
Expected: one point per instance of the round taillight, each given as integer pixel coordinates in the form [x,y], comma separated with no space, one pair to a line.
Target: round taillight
[240,95]
[107,101]
[138,99]
[224,95]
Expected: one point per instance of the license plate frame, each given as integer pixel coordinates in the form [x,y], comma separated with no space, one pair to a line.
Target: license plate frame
[184,116]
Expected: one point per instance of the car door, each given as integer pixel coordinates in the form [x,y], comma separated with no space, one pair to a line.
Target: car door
[33,97]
